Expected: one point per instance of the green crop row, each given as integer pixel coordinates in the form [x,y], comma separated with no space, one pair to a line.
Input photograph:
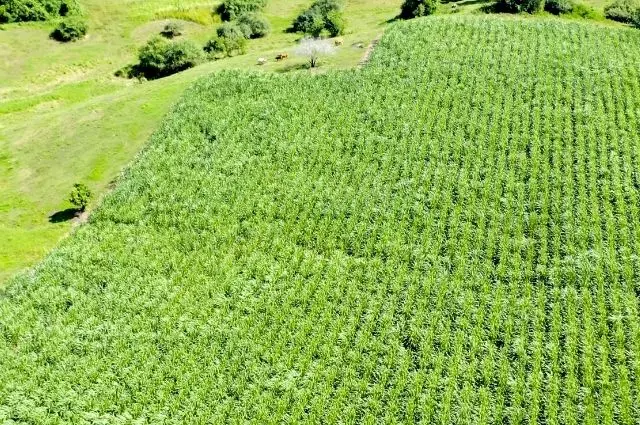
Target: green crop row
[447,236]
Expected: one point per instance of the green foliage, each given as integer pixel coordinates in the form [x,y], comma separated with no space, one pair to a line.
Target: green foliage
[515,6]
[231,30]
[230,10]
[226,46]
[635,18]
[71,29]
[172,30]
[323,15]
[255,24]
[443,237]
[415,8]
[80,196]
[558,7]
[621,10]
[582,10]
[35,10]
[160,57]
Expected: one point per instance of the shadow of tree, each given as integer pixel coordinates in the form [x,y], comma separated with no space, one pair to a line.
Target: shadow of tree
[64,215]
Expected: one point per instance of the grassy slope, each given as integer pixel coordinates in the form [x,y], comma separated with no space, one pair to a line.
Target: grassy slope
[64,118]
[446,236]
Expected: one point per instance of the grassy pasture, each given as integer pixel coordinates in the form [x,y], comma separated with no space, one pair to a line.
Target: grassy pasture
[64,118]
[448,235]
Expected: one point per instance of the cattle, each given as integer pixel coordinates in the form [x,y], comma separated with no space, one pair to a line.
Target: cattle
[338,42]
[282,56]
[262,61]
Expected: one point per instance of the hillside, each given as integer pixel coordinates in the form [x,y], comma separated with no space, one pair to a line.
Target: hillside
[65,118]
[448,235]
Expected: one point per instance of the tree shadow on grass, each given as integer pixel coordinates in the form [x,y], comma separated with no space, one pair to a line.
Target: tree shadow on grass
[63,215]
[293,67]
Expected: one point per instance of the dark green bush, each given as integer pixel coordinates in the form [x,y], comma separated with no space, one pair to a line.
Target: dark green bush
[515,6]
[71,29]
[323,15]
[80,196]
[635,18]
[558,7]
[160,57]
[35,10]
[231,30]
[621,10]
[256,24]
[172,30]
[415,8]
[232,9]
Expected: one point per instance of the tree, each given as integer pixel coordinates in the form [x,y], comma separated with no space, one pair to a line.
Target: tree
[80,196]
[71,29]
[314,49]
[323,15]
[416,8]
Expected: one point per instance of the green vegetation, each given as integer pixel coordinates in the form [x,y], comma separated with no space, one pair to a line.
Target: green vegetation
[172,30]
[415,8]
[65,118]
[230,10]
[160,58]
[622,10]
[448,235]
[80,196]
[35,10]
[71,29]
[257,26]
[324,16]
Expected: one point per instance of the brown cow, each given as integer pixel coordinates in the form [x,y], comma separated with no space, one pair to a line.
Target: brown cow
[282,56]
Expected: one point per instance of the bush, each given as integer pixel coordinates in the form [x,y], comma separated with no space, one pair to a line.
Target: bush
[323,15]
[515,6]
[35,10]
[583,11]
[159,57]
[415,8]
[227,46]
[558,7]
[231,30]
[69,30]
[635,18]
[621,10]
[257,25]
[171,30]
[80,196]
[232,9]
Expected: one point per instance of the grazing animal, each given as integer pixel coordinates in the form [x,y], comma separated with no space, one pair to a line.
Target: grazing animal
[262,61]
[338,42]
[282,56]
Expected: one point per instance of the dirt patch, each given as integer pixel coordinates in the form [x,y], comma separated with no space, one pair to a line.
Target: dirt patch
[367,53]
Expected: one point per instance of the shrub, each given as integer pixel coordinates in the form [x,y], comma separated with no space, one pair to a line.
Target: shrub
[35,10]
[558,7]
[515,6]
[80,196]
[621,10]
[635,18]
[257,24]
[323,15]
[171,30]
[70,30]
[583,11]
[227,46]
[159,57]
[414,8]
[232,9]
[334,23]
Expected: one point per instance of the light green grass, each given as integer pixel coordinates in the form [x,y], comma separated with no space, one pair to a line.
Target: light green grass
[448,235]
[64,118]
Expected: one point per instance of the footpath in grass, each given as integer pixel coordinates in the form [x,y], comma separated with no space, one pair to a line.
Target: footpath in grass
[448,235]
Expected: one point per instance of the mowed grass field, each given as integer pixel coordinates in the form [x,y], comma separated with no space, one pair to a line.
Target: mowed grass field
[64,117]
[447,236]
